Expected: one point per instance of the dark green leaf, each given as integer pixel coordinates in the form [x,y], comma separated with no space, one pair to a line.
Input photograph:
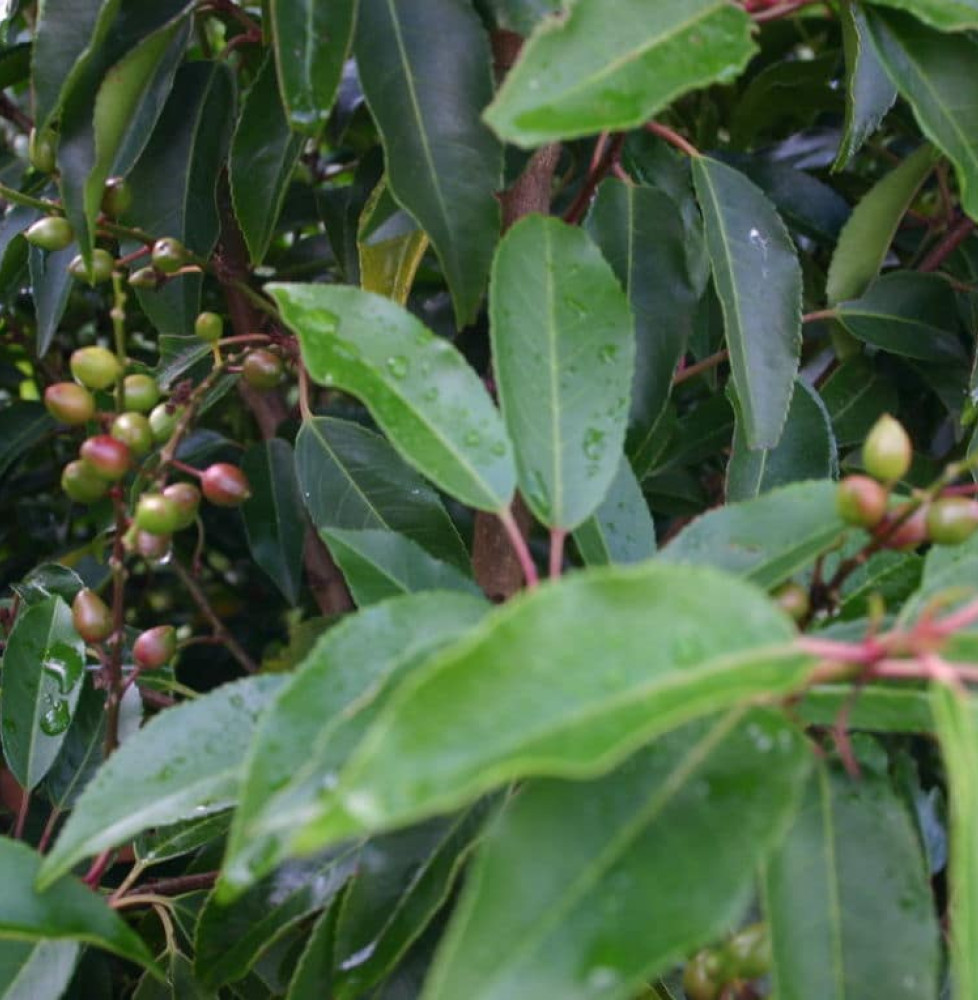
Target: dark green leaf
[22,425]
[945,15]
[420,390]
[174,841]
[758,280]
[50,286]
[46,580]
[352,478]
[43,665]
[522,16]
[313,977]
[443,164]
[185,762]
[32,970]
[949,577]
[856,395]
[890,576]
[613,65]
[612,906]
[273,517]
[563,347]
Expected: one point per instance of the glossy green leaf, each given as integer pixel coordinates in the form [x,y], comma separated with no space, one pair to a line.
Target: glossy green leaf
[876,707]
[264,152]
[313,977]
[23,424]
[642,234]
[273,517]
[957,731]
[949,578]
[320,714]
[865,240]
[48,580]
[351,478]
[420,390]
[613,65]
[913,315]
[50,286]
[563,348]
[856,395]
[185,762]
[621,530]
[443,164]
[67,910]
[43,666]
[166,843]
[806,450]
[890,576]
[767,539]
[847,896]
[390,246]
[378,564]
[631,845]
[522,695]
[758,280]
[522,16]
[869,92]
[81,752]
[311,44]
[945,15]
[30,970]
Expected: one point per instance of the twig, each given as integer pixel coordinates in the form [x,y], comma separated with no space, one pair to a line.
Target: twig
[557,539]
[673,138]
[955,236]
[600,166]
[520,548]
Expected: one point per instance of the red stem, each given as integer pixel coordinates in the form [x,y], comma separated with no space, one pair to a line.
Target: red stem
[673,138]
[557,538]
[25,805]
[519,547]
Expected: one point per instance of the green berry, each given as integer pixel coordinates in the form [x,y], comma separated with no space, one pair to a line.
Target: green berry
[91,616]
[952,520]
[164,422]
[134,431]
[887,451]
[69,403]
[209,326]
[103,264]
[262,369]
[156,514]
[700,977]
[186,496]
[794,601]
[169,255]
[109,457]
[82,483]
[748,953]
[155,647]
[95,367]
[116,198]
[51,233]
[41,151]
[140,392]
[861,501]
[144,277]
[225,485]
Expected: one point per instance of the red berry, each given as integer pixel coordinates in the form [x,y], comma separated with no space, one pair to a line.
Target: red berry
[262,369]
[156,514]
[861,501]
[225,485]
[91,616]
[82,483]
[186,496]
[887,452]
[70,403]
[911,532]
[95,367]
[51,233]
[109,457]
[169,255]
[155,647]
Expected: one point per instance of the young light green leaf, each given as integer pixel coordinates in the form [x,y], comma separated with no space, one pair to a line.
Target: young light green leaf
[613,65]
[273,517]
[563,348]
[378,564]
[443,164]
[67,910]
[51,285]
[945,15]
[33,969]
[428,401]
[43,666]
[351,478]
[311,44]
[523,694]
[847,896]
[631,844]
[185,762]
[806,450]
[767,539]
[390,246]
[758,280]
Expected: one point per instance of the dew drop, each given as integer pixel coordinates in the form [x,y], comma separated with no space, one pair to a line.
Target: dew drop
[430,395]
[498,449]
[55,719]
[593,443]
[472,439]
[358,957]
[608,353]
[398,366]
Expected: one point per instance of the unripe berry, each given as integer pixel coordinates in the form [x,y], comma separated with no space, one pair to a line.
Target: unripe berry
[209,326]
[861,501]
[109,457]
[103,264]
[225,485]
[952,520]
[41,151]
[262,369]
[169,255]
[163,422]
[144,277]
[51,233]
[140,392]
[91,616]
[95,367]
[748,953]
[701,975]
[887,451]
[116,198]
[910,534]
[133,430]
[82,483]
[794,601]
[156,514]
[70,403]
[186,496]
[153,547]
[155,647]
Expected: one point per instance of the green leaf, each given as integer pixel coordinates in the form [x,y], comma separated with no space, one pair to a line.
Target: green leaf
[945,15]
[949,576]
[767,539]
[30,970]
[443,164]
[80,755]
[856,395]
[522,16]
[875,707]
[806,450]
[50,286]
[46,580]
[320,714]
[23,424]
[390,246]
[420,390]
[68,910]
[613,65]
[174,183]
[351,478]
[869,92]
[957,731]
[582,671]
[273,517]
[166,843]
[847,897]
[311,42]
[906,313]
[613,906]
[758,280]
[642,234]
[43,663]
[378,564]
[185,762]
[313,977]
[563,349]
[621,530]
[264,152]
[865,240]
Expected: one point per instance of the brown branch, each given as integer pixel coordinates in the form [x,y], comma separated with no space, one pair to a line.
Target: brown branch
[177,886]
[954,237]
[601,166]
[673,138]
[14,114]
